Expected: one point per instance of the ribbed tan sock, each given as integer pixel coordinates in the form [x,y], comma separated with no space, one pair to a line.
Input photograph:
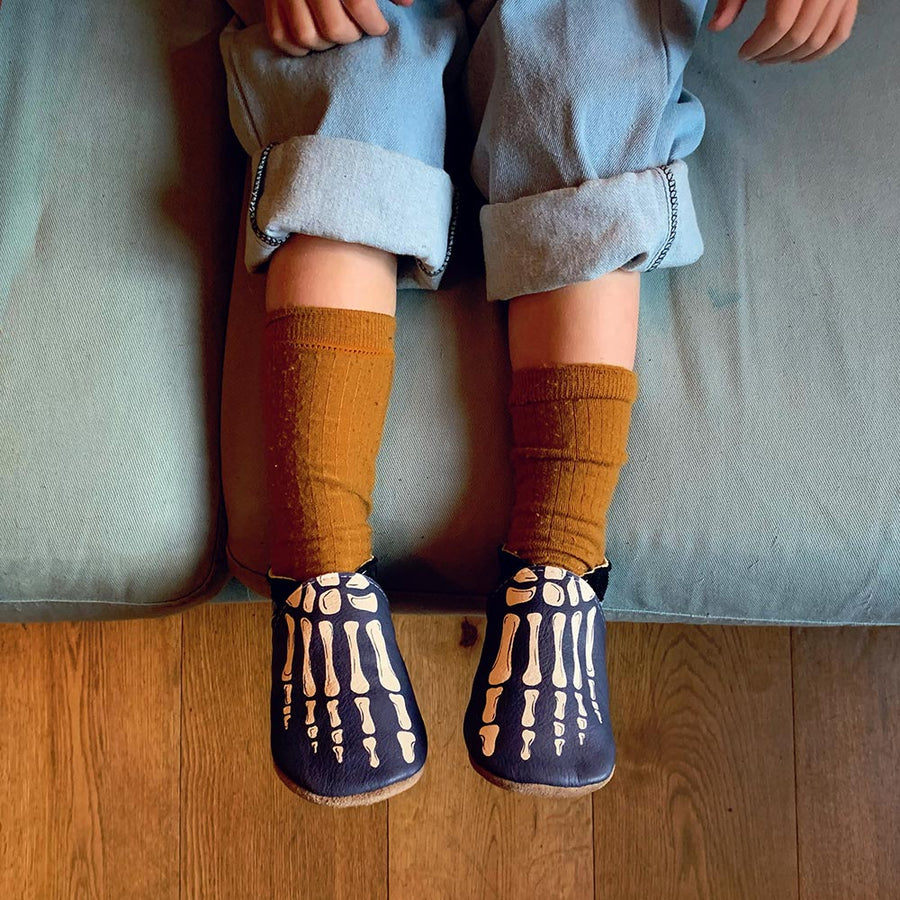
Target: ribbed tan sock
[327,382]
[570,429]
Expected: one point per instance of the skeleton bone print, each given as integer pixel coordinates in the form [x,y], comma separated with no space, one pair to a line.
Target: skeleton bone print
[341,693]
[538,712]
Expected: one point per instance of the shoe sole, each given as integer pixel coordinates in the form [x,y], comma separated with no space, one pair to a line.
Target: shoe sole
[367,798]
[540,790]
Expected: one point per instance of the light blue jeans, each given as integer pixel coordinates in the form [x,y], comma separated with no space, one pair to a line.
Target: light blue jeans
[579,121]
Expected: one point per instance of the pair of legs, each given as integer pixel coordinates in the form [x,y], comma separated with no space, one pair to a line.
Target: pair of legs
[587,322]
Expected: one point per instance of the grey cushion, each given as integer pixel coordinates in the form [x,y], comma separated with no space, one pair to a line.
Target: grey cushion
[118,196]
[764,475]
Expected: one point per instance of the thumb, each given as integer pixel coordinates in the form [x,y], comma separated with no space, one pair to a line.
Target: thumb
[726,12]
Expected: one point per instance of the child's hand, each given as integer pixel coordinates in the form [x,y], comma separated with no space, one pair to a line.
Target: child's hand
[298,26]
[794,30]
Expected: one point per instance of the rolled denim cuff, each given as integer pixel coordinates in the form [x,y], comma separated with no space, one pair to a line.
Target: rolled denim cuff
[356,192]
[636,221]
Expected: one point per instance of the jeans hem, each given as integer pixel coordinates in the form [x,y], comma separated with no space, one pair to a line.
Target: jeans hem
[352,191]
[635,221]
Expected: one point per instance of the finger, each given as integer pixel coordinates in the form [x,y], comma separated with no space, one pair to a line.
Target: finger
[277,32]
[801,33]
[302,29]
[333,22]
[778,20]
[821,30]
[839,34]
[367,16]
[726,12]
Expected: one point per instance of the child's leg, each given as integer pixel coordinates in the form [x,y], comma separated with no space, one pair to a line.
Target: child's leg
[588,322]
[308,270]
[572,354]
[583,125]
[350,202]
[328,360]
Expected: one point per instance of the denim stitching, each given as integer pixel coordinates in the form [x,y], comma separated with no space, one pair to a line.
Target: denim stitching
[432,272]
[254,196]
[673,215]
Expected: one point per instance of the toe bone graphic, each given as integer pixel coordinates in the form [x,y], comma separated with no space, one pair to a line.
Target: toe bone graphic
[559,672]
[367,724]
[358,682]
[502,668]
[532,674]
[332,651]
[332,686]
[407,741]
[488,735]
[573,669]
[403,719]
[492,695]
[528,713]
[386,676]
[369,744]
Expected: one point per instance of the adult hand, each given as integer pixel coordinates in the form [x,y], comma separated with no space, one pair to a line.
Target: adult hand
[791,30]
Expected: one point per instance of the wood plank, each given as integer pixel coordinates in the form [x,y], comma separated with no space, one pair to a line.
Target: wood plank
[453,835]
[702,802]
[846,697]
[89,735]
[244,833]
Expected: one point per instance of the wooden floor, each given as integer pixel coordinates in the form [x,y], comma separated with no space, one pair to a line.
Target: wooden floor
[752,763]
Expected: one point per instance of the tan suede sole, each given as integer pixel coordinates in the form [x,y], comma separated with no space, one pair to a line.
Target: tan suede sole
[540,790]
[364,799]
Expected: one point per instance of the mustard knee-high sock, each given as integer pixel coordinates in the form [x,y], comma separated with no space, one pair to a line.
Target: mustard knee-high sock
[327,381]
[570,429]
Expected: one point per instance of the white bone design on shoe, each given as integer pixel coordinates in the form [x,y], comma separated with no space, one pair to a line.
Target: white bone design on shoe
[572,669]
[367,602]
[553,594]
[286,709]
[400,708]
[516,595]
[367,725]
[503,663]
[576,662]
[532,674]
[559,672]
[330,601]
[309,686]
[369,744]
[286,670]
[407,741]
[332,685]
[589,659]
[325,595]
[488,735]
[386,674]
[528,713]
[527,739]
[492,695]
[358,682]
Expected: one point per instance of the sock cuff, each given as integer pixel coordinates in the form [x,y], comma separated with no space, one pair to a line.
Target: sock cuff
[573,381]
[328,326]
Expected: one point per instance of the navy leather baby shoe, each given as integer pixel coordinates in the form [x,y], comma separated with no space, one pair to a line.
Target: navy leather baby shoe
[538,715]
[345,726]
